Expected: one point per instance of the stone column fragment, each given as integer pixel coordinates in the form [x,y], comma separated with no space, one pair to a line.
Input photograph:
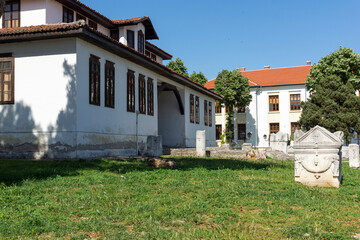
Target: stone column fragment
[354,158]
[201,143]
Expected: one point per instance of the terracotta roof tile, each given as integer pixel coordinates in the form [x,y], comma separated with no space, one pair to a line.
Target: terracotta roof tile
[130,20]
[275,76]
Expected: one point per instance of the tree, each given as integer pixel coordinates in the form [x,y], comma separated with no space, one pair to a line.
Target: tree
[198,77]
[332,105]
[178,66]
[2,6]
[344,63]
[235,89]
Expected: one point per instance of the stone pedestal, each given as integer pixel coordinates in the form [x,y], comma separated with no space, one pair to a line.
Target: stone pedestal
[279,141]
[201,143]
[154,146]
[354,158]
[246,146]
[345,153]
[318,158]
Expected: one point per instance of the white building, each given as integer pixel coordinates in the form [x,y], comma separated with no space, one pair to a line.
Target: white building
[276,97]
[90,88]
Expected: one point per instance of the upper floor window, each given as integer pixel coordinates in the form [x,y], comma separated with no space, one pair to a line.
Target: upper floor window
[153,57]
[295,102]
[191,108]
[294,127]
[218,130]
[141,42]
[94,81]
[241,110]
[92,24]
[197,110]
[80,17]
[142,94]
[147,53]
[131,91]
[131,39]
[210,114]
[114,34]
[6,81]
[241,131]
[274,103]
[68,15]
[217,107]
[150,96]
[11,16]
[109,84]
[205,112]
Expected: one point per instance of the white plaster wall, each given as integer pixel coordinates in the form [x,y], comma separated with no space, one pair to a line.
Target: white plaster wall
[191,128]
[53,12]
[135,28]
[32,12]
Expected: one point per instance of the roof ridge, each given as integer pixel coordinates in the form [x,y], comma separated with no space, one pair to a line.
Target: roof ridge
[275,68]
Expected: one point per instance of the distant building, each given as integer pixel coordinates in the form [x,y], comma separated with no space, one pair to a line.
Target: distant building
[276,97]
[76,84]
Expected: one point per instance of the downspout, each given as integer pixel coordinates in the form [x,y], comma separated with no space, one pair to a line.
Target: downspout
[137,124]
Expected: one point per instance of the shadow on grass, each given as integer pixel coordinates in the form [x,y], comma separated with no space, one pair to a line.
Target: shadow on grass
[15,172]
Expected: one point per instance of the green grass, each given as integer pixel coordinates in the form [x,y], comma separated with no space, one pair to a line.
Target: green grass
[200,199]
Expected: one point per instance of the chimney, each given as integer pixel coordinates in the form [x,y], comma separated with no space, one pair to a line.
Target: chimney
[241,69]
[266,67]
[308,62]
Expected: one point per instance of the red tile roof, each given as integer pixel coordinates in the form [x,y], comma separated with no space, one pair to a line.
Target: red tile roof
[130,21]
[275,76]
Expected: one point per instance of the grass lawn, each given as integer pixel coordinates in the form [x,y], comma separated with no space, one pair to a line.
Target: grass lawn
[199,199]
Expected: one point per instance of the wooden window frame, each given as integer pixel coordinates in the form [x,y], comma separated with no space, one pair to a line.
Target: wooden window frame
[295,102]
[130,44]
[130,91]
[109,84]
[217,132]
[142,94]
[92,24]
[274,103]
[210,114]
[11,12]
[153,57]
[66,13]
[242,131]
[94,80]
[114,34]
[293,128]
[206,116]
[241,110]
[192,108]
[141,42]
[150,96]
[12,81]
[274,128]
[197,110]
[80,17]
[218,108]
[147,53]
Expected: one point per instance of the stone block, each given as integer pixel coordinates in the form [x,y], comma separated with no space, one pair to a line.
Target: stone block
[154,146]
[279,141]
[318,158]
[246,146]
[201,143]
[354,158]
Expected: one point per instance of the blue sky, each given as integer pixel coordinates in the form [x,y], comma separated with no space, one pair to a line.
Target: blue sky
[211,35]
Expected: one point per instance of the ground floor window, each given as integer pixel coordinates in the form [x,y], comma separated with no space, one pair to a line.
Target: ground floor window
[109,84]
[294,127]
[6,80]
[210,114]
[197,109]
[218,132]
[242,132]
[94,80]
[274,128]
[205,112]
[142,94]
[191,108]
[150,98]
[131,91]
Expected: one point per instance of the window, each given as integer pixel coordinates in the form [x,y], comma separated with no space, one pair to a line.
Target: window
[141,43]
[131,91]
[242,132]
[80,17]
[153,57]
[197,110]
[92,24]
[109,84]
[217,107]
[273,103]
[94,81]
[218,132]
[130,39]
[68,15]
[205,112]
[147,53]
[114,34]
[210,114]
[274,128]
[150,96]
[191,108]
[295,101]
[6,80]
[11,17]
[142,96]
[294,127]
[241,110]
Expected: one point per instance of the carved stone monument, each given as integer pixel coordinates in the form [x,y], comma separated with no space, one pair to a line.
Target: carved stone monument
[279,141]
[201,143]
[354,160]
[317,157]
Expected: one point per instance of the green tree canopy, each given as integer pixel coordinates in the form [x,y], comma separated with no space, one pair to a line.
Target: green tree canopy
[198,77]
[333,105]
[235,89]
[178,66]
[344,63]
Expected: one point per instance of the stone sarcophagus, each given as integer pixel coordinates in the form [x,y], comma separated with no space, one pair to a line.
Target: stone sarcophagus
[318,157]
